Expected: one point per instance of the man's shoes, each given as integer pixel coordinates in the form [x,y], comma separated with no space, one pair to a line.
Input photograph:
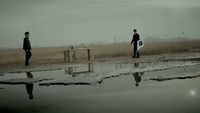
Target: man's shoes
[135,57]
[27,64]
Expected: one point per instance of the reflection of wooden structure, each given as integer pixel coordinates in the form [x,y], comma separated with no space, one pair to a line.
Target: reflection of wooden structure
[71,54]
[73,70]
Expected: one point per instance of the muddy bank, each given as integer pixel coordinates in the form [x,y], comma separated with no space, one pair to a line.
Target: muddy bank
[187,56]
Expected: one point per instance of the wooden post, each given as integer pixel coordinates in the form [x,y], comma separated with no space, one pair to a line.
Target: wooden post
[88,51]
[69,55]
[65,56]
[70,70]
[90,67]
[74,54]
[90,54]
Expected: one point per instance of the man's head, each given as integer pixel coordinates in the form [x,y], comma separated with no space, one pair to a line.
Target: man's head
[134,30]
[26,34]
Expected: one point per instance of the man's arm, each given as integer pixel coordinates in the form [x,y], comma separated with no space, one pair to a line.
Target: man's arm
[132,40]
[24,44]
[138,37]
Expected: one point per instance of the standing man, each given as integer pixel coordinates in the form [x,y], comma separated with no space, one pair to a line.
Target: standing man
[136,38]
[27,48]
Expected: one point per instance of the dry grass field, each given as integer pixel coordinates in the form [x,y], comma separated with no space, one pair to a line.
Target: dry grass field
[53,55]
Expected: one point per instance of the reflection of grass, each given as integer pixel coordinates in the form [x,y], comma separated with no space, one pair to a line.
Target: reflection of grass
[55,54]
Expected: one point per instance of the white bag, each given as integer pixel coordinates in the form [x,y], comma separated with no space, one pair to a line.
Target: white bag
[140,44]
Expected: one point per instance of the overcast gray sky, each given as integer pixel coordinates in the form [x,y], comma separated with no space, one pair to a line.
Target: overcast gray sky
[64,22]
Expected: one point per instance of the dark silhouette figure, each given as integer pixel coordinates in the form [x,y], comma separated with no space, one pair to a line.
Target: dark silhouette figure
[27,48]
[137,78]
[136,64]
[29,86]
[136,38]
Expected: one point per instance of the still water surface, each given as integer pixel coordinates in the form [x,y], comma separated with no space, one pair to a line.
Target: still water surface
[106,88]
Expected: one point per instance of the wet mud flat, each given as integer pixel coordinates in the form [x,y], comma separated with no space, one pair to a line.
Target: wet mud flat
[105,87]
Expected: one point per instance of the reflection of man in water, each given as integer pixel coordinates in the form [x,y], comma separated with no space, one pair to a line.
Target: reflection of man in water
[137,78]
[136,64]
[29,86]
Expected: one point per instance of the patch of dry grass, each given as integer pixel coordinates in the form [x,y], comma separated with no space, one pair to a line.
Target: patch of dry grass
[125,49]
[55,54]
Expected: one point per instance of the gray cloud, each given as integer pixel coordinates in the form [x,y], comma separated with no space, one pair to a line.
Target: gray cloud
[63,22]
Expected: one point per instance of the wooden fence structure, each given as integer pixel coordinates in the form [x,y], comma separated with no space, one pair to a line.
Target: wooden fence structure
[70,55]
[73,70]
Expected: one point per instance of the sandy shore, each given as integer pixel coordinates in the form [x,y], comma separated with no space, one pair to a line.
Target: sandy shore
[183,56]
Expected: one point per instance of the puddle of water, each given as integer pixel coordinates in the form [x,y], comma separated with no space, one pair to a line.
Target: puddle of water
[104,87]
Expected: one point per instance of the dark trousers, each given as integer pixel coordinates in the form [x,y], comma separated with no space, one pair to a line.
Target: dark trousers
[136,52]
[27,56]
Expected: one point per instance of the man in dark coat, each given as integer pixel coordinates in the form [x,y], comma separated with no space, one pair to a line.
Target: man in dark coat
[136,38]
[27,48]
